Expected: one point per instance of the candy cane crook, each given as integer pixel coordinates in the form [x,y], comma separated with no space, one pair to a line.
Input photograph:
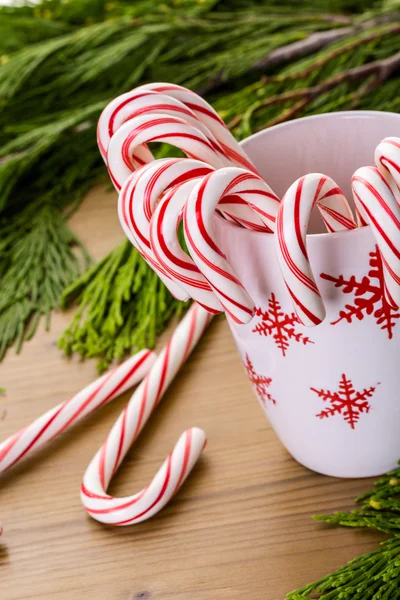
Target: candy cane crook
[175,469]
[144,101]
[378,206]
[57,420]
[138,198]
[155,128]
[166,246]
[209,117]
[291,229]
[387,159]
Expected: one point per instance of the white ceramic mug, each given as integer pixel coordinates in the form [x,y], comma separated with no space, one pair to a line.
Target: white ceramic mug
[331,392]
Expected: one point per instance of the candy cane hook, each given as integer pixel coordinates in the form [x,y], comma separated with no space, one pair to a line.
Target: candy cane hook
[291,230]
[144,504]
[378,207]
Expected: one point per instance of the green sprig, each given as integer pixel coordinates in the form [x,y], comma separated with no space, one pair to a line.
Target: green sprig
[123,307]
[373,576]
[35,268]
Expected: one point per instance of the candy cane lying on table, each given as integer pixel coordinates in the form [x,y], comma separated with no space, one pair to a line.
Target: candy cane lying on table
[175,469]
[291,229]
[378,207]
[57,420]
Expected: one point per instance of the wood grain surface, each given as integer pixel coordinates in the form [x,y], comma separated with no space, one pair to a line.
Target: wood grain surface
[240,527]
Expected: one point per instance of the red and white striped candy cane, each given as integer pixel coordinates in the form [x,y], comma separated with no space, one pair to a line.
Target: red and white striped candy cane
[167,249]
[209,117]
[155,128]
[291,229]
[138,198]
[379,208]
[198,218]
[57,420]
[171,475]
[143,101]
[387,159]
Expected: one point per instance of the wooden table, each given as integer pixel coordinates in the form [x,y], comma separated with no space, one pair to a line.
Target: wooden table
[240,527]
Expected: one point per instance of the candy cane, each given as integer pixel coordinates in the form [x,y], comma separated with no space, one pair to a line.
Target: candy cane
[378,206]
[138,198]
[144,101]
[387,158]
[57,420]
[198,228]
[155,128]
[291,228]
[166,246]
[175,469]
[209,117]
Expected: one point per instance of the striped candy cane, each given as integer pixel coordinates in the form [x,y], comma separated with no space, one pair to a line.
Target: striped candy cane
[291,229]
[175,469]
[387,159]
[209,117]
[57,420]
[143,101]
[155,128]
[138,198]
[198,218]
[378,207]
[167,249]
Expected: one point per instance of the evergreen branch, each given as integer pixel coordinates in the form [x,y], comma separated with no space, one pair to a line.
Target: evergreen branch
[372,576]
[36,267]
[123,307]
[315,42]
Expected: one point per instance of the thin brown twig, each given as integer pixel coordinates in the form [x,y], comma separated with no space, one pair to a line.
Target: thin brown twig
[313,43]
[380,69]
[319,63]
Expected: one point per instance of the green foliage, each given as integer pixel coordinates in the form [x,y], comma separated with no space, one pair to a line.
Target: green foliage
[380,507]
[123,306]
[35,268]
[373,576]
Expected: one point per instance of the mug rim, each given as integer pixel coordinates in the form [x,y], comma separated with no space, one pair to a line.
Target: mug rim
[344,114]
[335,114]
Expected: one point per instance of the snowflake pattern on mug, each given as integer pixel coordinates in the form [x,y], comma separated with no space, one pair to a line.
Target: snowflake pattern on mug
[346,401]
[260,383]
[281,326]
[369,296]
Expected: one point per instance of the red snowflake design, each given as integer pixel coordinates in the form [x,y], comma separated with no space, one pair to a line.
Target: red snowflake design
[260,383]
[279,324]
[369,296]
[346,401]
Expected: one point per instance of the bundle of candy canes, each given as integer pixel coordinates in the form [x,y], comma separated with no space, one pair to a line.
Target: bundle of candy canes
[155,196]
